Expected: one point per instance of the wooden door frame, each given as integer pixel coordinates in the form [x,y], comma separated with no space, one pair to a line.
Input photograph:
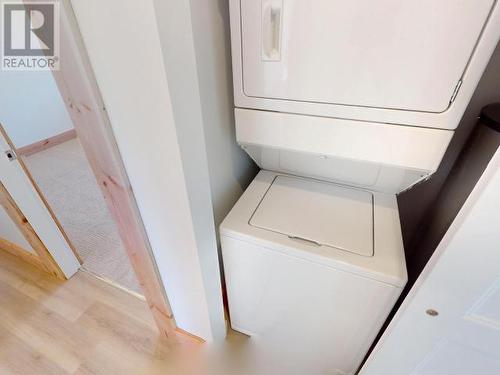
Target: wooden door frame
[42,257]
[18,184]
[80,93]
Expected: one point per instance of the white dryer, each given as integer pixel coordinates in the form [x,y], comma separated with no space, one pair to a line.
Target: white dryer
[343,104]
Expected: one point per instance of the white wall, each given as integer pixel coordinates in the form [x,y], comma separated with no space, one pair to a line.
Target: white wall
[31,108]
[124,47]
[195,46]
[176,37]
[231,169]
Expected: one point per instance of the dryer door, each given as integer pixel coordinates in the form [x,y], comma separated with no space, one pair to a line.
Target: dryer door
[388,54]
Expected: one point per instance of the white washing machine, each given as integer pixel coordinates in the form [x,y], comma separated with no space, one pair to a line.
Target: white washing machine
[343,105]
[312,269]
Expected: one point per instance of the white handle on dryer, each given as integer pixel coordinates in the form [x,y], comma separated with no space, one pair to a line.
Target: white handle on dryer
[271,29]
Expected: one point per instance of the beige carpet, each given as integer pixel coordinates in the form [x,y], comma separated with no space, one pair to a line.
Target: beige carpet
[65,178]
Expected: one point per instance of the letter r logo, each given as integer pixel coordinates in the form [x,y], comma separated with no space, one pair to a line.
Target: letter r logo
[28,29]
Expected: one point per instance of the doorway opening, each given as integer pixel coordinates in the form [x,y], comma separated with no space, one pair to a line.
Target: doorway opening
[58,155]
[43,133]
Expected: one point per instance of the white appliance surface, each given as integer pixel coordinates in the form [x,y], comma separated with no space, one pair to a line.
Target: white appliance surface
[386,265]
[362,94]
[321,213]
[375,54]
[380,157]
[386,61]
[310,308]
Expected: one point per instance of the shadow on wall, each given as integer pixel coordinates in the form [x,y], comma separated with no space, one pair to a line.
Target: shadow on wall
[415,205]
[420,210]
[231,169]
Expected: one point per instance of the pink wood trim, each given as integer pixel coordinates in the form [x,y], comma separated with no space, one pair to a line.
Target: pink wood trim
[46,143]
[78,88]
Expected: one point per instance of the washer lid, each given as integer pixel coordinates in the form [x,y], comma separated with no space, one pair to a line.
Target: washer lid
[318,212]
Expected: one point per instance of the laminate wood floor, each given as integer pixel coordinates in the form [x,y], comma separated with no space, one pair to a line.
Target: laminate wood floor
[80,326]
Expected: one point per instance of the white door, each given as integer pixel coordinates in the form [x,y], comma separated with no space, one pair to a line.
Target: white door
[383,53]
[450,321]
[20,187]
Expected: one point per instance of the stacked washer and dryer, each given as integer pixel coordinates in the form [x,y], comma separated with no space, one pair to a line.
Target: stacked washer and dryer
[343,104]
